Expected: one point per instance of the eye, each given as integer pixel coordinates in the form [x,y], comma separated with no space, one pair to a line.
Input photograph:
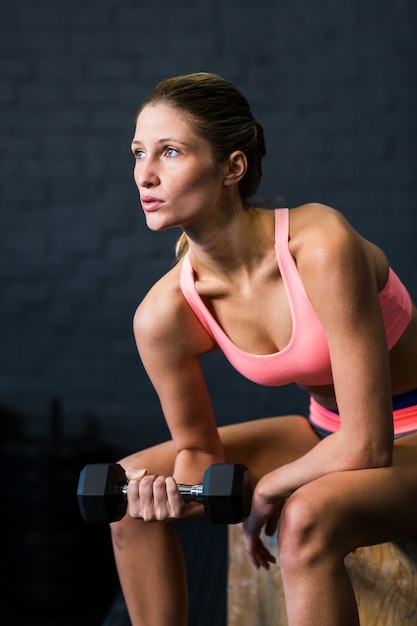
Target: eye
[139,154]
[172,152]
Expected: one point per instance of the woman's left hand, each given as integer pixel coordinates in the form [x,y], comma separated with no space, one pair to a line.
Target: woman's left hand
[264,513]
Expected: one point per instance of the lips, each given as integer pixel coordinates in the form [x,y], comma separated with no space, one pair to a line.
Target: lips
[150,203]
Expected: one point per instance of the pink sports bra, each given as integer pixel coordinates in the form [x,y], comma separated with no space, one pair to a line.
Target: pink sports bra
[306,358]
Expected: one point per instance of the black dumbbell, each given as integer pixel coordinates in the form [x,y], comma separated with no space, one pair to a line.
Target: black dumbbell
[226,493]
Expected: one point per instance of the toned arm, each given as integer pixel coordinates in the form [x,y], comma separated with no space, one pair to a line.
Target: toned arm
[170,341]
[340,281]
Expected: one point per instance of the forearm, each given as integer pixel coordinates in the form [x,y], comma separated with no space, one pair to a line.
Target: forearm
[335,453]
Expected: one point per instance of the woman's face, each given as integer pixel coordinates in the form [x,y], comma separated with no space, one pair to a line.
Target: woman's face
[175,172]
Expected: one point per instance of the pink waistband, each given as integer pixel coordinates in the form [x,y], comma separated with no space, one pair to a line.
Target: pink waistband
[405,419]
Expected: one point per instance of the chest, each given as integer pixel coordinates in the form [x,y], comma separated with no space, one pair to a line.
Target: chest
[257,318]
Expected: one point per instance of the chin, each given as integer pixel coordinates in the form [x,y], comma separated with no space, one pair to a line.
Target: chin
[156,225]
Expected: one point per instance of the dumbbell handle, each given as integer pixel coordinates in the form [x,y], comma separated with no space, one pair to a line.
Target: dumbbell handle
[189,493]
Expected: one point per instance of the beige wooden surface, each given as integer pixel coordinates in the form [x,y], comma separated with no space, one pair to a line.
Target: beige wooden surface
[384,579]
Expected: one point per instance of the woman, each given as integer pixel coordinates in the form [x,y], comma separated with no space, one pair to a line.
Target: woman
[288,296]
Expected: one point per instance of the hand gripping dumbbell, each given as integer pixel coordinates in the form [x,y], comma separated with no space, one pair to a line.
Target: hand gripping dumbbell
[226,493]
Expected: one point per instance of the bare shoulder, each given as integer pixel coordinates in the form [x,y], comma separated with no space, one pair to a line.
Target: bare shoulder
[322,235]
[327,248]
[165,319]
[319,223]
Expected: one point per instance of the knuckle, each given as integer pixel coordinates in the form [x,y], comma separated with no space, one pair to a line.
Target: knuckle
[159,483]
[148,479]
[145,485]
[171,487]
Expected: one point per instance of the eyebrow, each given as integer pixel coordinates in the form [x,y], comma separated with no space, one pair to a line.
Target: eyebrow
[163,140]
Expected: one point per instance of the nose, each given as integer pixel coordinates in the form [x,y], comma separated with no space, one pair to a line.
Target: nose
[145,173]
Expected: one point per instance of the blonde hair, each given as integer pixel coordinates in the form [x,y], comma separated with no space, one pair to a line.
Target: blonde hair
[222,115]
[181,246]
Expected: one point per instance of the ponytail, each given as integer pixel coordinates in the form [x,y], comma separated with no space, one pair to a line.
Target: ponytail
[181,247]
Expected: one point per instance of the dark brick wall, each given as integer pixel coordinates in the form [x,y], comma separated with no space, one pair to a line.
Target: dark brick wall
[334,84]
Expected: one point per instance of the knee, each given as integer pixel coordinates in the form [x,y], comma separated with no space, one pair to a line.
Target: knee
[124,531]
[308,531]
[120,532]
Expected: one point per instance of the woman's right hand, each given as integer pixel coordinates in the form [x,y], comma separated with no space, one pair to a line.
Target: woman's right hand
[153,498]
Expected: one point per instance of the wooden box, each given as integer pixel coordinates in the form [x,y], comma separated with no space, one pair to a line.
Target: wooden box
[384,579]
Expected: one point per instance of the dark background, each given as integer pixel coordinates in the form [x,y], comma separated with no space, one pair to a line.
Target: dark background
[334,85]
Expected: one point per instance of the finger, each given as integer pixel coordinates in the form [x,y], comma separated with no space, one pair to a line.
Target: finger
[175,500]
[136,492]
[133,476]
[146,497]
[140,495]
[258,553]
[133,503]
[160,499]
[263,558]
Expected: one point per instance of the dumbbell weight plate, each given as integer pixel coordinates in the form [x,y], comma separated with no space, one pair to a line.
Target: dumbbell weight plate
[229,493]
[100,500]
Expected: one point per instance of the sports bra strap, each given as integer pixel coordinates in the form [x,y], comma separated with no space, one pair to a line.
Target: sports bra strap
[281,226]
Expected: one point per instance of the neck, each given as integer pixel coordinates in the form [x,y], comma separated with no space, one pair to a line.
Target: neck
[234,244]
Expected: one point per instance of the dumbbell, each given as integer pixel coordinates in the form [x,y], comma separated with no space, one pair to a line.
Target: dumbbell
[226,493]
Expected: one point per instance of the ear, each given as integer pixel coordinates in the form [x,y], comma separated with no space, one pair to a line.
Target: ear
[235,168]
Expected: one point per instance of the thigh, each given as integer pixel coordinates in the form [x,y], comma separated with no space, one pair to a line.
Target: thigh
[262,445]
[369,506]
[265,444]
[158,459]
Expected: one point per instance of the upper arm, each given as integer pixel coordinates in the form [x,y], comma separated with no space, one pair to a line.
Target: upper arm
[340,281]
[170,341]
